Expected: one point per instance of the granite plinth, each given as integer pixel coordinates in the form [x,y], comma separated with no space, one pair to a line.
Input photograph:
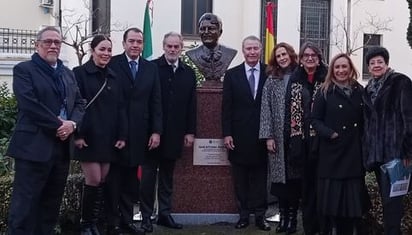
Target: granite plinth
[204,189]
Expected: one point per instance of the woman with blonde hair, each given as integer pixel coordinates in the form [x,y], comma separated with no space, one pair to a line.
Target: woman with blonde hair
[337,119]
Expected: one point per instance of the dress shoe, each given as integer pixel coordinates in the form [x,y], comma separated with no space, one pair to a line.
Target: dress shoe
[169,222]
[242,223]
[147,225]
[114,230]
[262,225]
[133,228]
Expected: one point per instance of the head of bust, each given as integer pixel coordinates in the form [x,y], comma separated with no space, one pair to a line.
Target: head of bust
[210,29]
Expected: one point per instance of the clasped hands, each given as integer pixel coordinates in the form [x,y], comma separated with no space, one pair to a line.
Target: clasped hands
[66,128]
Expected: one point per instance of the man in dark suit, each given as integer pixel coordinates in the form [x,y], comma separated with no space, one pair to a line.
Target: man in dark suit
[242,92]
[140,81]
[178,85]
[50,106]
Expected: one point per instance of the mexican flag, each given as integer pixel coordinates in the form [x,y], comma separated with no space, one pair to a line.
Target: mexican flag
[147,31]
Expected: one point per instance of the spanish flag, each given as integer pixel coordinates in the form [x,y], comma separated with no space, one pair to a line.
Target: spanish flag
[270,39]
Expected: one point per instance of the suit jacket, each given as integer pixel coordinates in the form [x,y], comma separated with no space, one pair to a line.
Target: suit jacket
[143,101]
[178,107]
[39,106]
[241,116]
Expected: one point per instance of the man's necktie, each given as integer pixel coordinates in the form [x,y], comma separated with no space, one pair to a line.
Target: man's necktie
[251,81]
[133,68]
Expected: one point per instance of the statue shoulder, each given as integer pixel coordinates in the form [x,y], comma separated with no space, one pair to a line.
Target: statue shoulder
[192,52]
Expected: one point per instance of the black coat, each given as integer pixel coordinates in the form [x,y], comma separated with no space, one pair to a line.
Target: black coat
[34,136]
[241,116]
[388,122]
[178,107]
[105,119]
[339,158]
[301,150]
[143,102]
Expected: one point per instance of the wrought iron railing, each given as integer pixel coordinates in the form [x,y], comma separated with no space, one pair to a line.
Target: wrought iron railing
[17,41]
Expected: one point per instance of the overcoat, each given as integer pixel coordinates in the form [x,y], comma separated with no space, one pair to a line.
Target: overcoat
[339,158]
[178,107]
[388,122]
[143,106]
[38,102]
[273,125]
[241,116]
[105,119]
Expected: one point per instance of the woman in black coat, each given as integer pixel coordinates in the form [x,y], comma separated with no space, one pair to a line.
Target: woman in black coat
[337,119]
[304,83]
[103,130]
[388,129]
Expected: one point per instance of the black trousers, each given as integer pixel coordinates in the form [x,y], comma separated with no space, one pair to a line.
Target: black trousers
[122,192]
[38,189]
[312,223]
[250,189]
[165,186]
[392,206]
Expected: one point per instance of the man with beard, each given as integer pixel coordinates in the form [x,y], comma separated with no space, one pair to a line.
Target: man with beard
[178,85]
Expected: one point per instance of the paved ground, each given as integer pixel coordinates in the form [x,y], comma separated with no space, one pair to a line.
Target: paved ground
[220,228]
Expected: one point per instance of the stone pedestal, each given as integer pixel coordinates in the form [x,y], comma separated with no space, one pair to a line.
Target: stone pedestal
[204,189]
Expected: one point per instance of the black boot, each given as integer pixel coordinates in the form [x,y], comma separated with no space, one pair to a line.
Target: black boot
[292,219]
[283,211]
[89,211]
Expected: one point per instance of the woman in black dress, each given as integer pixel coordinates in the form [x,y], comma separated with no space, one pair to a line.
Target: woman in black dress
[103,130]
[337,119]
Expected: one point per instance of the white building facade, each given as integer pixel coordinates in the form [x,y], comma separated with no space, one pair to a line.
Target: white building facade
[321,21]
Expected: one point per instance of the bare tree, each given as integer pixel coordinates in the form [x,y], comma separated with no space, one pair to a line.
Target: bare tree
[76,29]
[345,36]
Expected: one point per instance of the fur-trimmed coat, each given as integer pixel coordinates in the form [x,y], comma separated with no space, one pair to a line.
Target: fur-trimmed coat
[388,122]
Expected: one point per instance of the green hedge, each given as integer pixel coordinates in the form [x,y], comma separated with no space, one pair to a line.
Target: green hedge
[70,207]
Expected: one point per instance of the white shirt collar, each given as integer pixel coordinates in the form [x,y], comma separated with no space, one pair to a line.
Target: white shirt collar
[257,67]
[129,59]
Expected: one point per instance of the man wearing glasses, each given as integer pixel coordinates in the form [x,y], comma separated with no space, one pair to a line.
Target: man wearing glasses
[50,107]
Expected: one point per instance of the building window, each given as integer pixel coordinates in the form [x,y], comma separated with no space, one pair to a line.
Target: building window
[369,40]
[192,10]
[315,24]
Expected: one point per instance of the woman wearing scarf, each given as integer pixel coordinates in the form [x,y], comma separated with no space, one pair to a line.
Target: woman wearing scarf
[337,118]
[387,129]
[284,175]
[304,83]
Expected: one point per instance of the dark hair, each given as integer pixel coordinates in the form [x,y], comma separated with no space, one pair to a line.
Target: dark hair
[214,19]
[134,29]
[97,39]
[273,67]
[312,46]
[377,51]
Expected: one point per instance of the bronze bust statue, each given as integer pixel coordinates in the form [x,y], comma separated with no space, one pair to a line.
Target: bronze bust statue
[211,58]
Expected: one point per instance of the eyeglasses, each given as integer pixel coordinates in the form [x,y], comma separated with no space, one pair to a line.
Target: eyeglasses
[307,56]
[49,42]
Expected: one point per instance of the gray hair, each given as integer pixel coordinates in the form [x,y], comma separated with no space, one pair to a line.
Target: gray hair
[47,28]
[252,38]
[173,34]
